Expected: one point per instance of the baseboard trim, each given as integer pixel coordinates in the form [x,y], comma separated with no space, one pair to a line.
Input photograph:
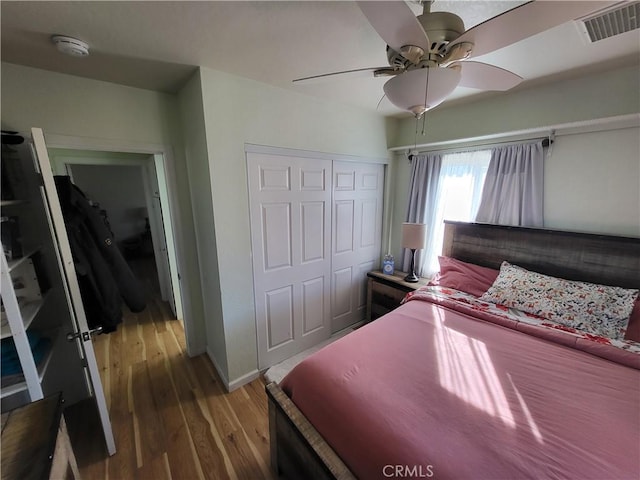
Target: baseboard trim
[222,376]
[243,380]
[232,385]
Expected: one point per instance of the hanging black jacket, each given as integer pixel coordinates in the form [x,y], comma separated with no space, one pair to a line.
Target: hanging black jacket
[104,276]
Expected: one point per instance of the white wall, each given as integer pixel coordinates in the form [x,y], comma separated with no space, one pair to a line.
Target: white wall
[239,111]
[73,106]
[592,180]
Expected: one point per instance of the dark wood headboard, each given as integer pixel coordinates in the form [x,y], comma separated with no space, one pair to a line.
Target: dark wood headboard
[604,259]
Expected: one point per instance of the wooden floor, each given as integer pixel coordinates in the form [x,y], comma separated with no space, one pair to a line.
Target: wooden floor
[170,414]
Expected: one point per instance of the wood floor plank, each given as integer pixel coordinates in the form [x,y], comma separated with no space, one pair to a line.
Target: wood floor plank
[225,418]
[157,469]
[246,462]
[123,464]
[151,434]
[182,459]
[255,427]
[157,314]
[134,352]
[211,453]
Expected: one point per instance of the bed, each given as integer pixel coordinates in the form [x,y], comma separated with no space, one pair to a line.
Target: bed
[451,385]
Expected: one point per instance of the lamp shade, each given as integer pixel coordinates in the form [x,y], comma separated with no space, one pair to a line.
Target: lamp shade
[414,235]
[407,90]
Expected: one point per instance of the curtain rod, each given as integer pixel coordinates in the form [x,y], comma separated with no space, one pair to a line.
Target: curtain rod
[581,126]
[546,141]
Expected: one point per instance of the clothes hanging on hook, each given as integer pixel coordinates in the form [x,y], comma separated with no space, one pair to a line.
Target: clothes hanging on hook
[104,276]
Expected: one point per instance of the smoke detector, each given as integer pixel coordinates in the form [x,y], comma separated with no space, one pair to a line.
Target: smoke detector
[71,46]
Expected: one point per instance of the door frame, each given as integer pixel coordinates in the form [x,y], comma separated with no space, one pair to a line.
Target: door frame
[162,157]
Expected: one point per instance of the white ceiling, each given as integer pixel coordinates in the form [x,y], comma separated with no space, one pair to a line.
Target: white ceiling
[157,45]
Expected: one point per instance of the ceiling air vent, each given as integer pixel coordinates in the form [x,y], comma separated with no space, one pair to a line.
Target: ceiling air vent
[621,19]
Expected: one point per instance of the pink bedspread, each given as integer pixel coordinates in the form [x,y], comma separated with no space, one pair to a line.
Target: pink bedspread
[429,392]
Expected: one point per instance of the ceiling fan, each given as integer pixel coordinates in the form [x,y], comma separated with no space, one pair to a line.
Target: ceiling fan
[429,54]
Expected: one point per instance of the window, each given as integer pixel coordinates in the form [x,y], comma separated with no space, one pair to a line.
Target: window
[457,198]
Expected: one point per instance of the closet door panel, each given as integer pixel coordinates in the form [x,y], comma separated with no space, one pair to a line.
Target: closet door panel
[368,230]
[279,314]
[312,215]
[276,225]
[344,227]
[289,203]
[357,229]
[342,284]
[313,311]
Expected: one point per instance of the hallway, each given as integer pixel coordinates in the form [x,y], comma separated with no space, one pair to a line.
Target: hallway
[170,414]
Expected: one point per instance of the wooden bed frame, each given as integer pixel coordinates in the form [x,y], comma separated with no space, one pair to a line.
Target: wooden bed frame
[299,451]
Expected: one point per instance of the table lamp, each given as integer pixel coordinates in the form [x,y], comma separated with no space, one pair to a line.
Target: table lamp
[414,236]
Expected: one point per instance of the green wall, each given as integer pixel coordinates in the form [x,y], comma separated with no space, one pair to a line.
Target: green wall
[605,94]
[108,113]
[239,111]
[209,122]
[195,135]
[592,178]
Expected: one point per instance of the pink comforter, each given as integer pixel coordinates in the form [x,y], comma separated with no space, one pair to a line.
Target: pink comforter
[428,392]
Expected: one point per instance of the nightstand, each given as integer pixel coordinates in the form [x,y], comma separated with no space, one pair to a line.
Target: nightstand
[385,292]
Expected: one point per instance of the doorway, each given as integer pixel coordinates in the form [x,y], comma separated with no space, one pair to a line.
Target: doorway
[130,188]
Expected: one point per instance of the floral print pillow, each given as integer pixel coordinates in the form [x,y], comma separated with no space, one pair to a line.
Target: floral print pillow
[596,309]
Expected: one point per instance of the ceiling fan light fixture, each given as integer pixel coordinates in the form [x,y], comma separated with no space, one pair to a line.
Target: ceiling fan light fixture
[71,46]
[459,51]
[407,91]
[412,53]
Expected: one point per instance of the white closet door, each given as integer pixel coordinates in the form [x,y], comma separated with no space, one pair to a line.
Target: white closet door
[290,208]
[358,191]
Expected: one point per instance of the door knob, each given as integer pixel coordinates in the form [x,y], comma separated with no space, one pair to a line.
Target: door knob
[86,336]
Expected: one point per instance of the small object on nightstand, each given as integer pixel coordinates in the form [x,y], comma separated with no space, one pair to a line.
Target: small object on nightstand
[387,264]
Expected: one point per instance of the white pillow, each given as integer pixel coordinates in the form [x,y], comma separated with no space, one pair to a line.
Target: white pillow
[597,309]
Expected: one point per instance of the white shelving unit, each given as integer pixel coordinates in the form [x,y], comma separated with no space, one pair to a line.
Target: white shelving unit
[21,302]
[31,303]
[22,298]
[28,310]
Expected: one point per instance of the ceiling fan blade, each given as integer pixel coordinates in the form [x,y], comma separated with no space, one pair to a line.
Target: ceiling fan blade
[524,21]
[486,77]
[396,24]
[358,72]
